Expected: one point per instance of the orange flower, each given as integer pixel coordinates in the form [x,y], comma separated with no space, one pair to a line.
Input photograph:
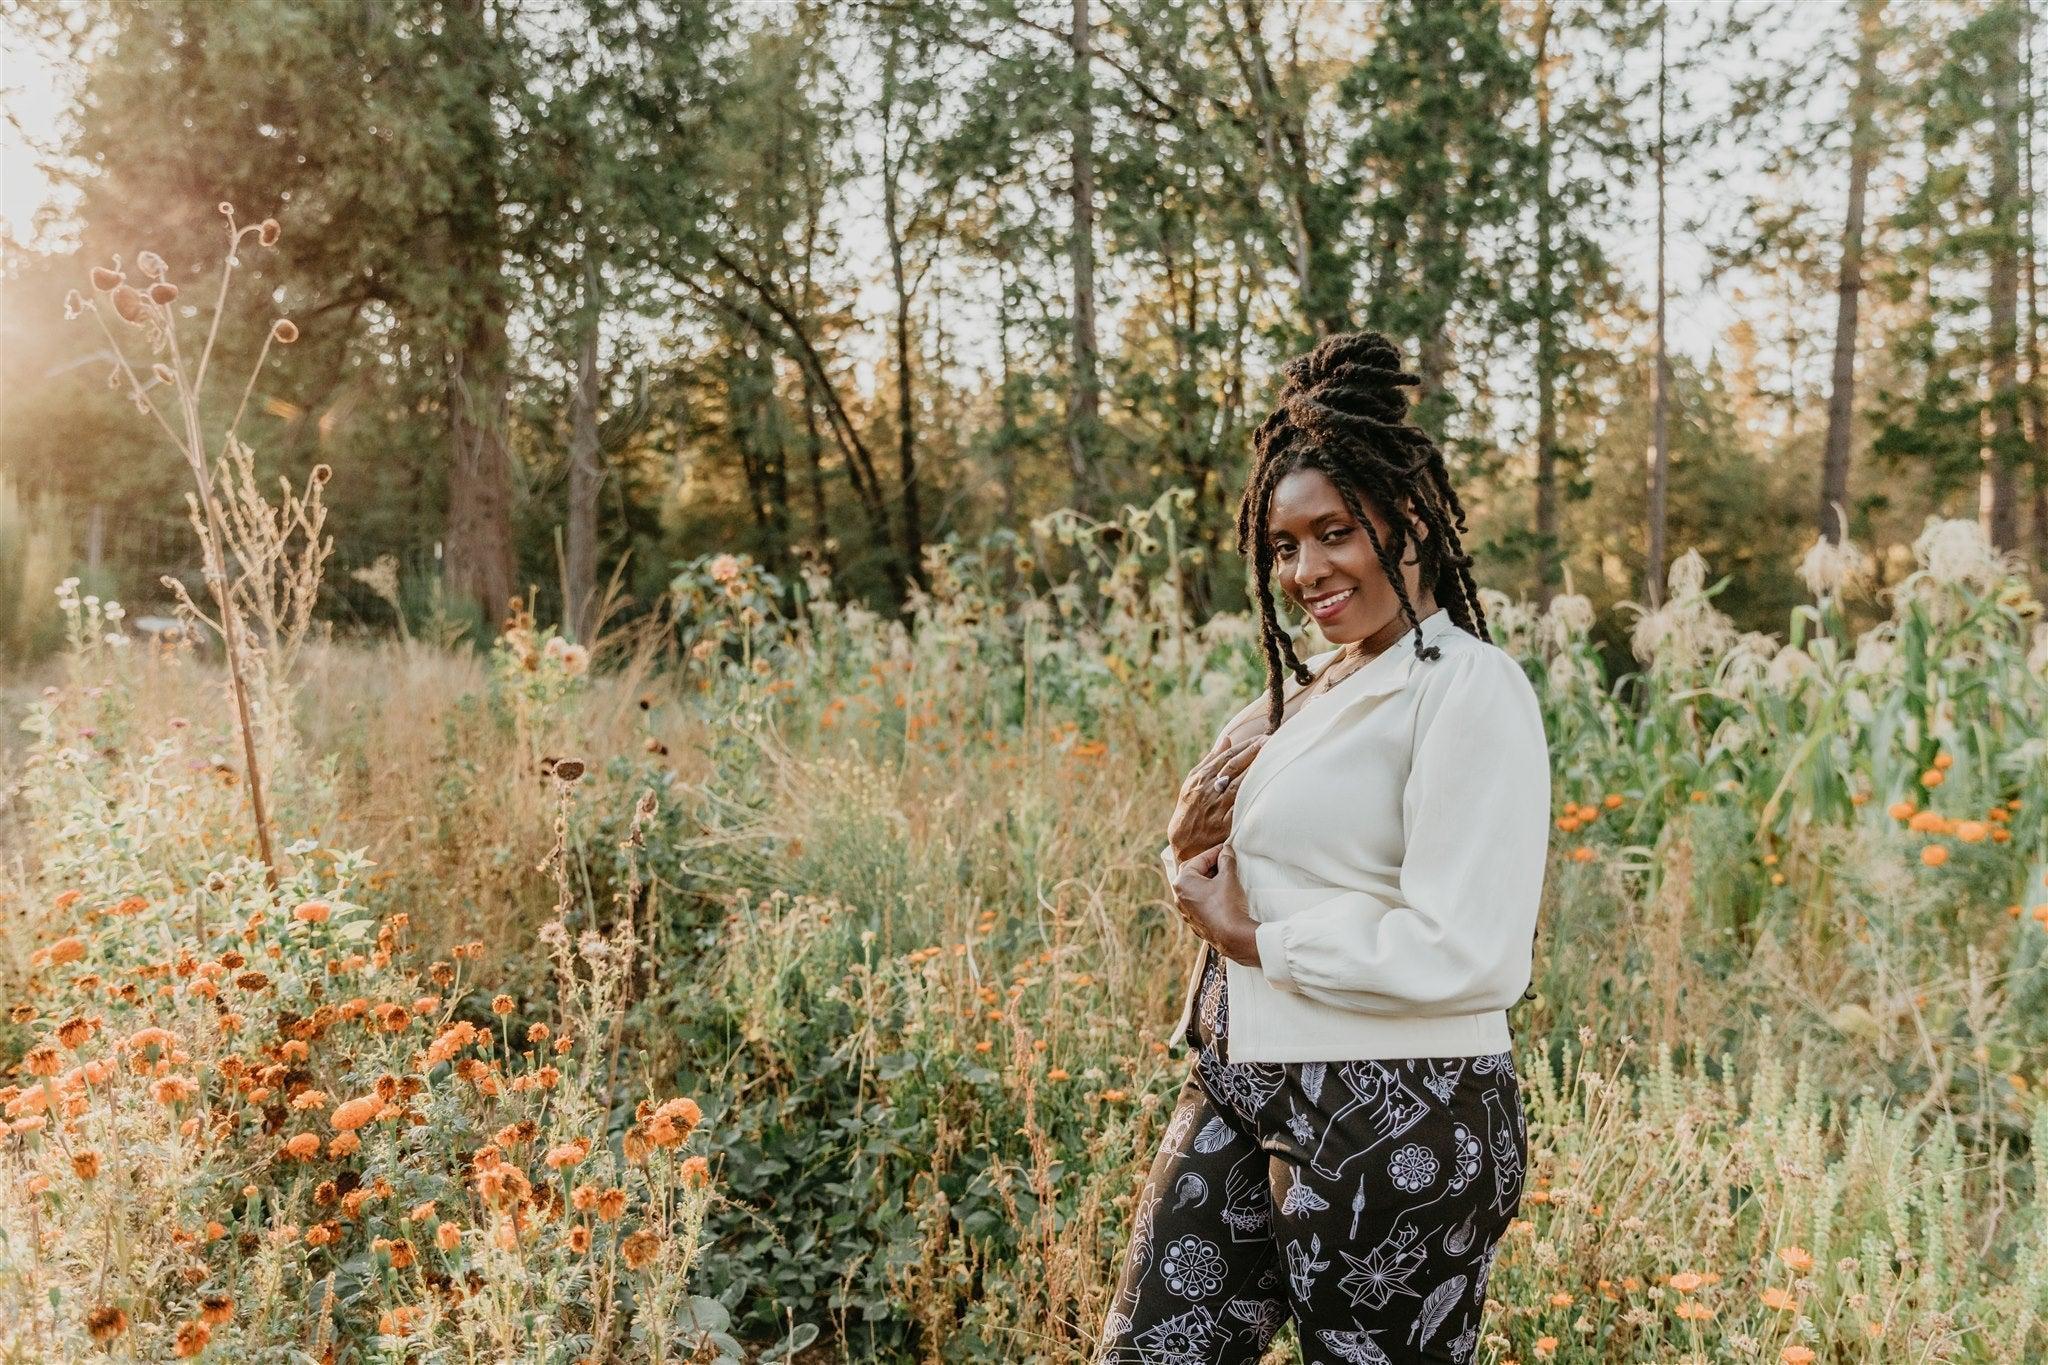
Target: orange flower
[216,1309]
[43,1061]
[67,949]
[611,1204]
[354,1113]
[1546,1346]
[173,1089]
[344,1144]
[579,1238]
[191,1339]
[1934,855]
[1685,1282]
[673,1122]
[1796,1355]
[501,1004]
[1778,1300]
[567,1154]
[313,912]
[639,1249]
[1797,1258]
[106,1323]
[73,1033]
[447,1236]
[696,1171]
[85,1164]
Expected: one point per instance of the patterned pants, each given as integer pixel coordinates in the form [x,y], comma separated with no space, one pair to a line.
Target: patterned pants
[1364,1199]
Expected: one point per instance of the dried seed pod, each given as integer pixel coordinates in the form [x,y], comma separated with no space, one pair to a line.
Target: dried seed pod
[285,331]
[74,303]
[164,373]
[152,265]
[163,291]
[104,279]
[267,233]
[129,303]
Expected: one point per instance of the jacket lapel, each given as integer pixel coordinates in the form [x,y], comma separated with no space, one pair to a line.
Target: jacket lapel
[1299,733]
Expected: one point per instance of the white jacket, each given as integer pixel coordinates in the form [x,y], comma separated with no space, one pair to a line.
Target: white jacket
[1391,838]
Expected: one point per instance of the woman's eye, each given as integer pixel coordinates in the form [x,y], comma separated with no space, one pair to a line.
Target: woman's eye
[1336,531]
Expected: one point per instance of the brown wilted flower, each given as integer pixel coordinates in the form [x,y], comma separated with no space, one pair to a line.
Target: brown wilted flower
[130,304]
[85,1165]
[105,1323]
[43,1061]
[191,1339]
[267,232]
[216,1309]
[163,292]
[284,331]
[611,1205]
[579,1238]
[151,264]
[674,1121]
[104,279]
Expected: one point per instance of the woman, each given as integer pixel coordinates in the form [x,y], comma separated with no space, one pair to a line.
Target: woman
[1363,862]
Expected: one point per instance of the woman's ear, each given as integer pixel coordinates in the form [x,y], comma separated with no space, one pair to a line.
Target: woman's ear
[1417,526]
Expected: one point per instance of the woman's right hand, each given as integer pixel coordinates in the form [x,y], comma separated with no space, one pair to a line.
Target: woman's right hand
[1201,817]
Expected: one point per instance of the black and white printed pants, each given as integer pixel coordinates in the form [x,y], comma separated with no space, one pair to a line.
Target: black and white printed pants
[1364,1199]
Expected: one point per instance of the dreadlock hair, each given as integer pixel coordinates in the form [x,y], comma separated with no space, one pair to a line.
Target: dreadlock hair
[1341,411]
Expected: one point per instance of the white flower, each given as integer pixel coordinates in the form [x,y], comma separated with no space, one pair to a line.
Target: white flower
[575,660]
[1790,666]
[1956,550]
[1688,574]
[2037,657]
[1572,612]
[1876,652]
[1830,570]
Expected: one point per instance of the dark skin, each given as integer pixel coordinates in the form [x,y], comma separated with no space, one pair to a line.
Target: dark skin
[1319,550]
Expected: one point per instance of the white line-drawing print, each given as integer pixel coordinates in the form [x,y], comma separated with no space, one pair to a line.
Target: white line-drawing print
[1312,1081]
[1214,1137]
[1383,1272]
[1459,1239]
[1192,1266]
[1356,1346]
[1302,1265]
[1435,1309]
[1189,1189]
[1302,1197]
[1443,1081]
[1183,1339]
[1413,1168]
[1247,1204]
[1507,1162]
[1390,1107]
[1465,1153]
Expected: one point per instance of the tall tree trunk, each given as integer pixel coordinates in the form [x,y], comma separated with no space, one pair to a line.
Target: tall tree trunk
[1660,384]
[1834,478]
[906,414]
[2007,446]
[1084,396]
[1546,323]
[2037,396]
[586,470]
[478,564]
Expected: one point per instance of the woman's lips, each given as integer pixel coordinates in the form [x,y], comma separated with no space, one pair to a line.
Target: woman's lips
[1330,606]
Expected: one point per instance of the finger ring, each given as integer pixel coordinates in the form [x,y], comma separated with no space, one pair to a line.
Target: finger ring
[1223,782]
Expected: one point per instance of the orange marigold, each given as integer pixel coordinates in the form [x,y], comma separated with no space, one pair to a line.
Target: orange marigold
[312,912]
[447,1236]
[639,1249]
[216,1309]
[191,1339]
[105,1323]
[353,1114]
[302,1146]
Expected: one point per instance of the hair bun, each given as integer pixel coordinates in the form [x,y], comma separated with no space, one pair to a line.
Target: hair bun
[1357,373]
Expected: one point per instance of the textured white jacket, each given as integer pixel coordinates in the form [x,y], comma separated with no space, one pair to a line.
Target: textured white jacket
[1391,839]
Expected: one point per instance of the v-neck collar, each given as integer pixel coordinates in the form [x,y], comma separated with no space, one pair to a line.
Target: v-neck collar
[1387,672]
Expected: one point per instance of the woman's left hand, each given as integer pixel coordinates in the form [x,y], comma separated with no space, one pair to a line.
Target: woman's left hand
[1211,899]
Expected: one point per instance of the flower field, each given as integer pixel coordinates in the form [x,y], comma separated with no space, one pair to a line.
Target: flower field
[795,985]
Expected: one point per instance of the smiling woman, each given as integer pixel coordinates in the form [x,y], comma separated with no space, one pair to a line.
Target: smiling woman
[1364,863]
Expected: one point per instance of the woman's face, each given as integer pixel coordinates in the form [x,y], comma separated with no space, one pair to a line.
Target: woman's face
[1324,561]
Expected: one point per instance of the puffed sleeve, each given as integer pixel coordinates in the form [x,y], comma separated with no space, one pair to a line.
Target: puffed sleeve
[1476,817]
